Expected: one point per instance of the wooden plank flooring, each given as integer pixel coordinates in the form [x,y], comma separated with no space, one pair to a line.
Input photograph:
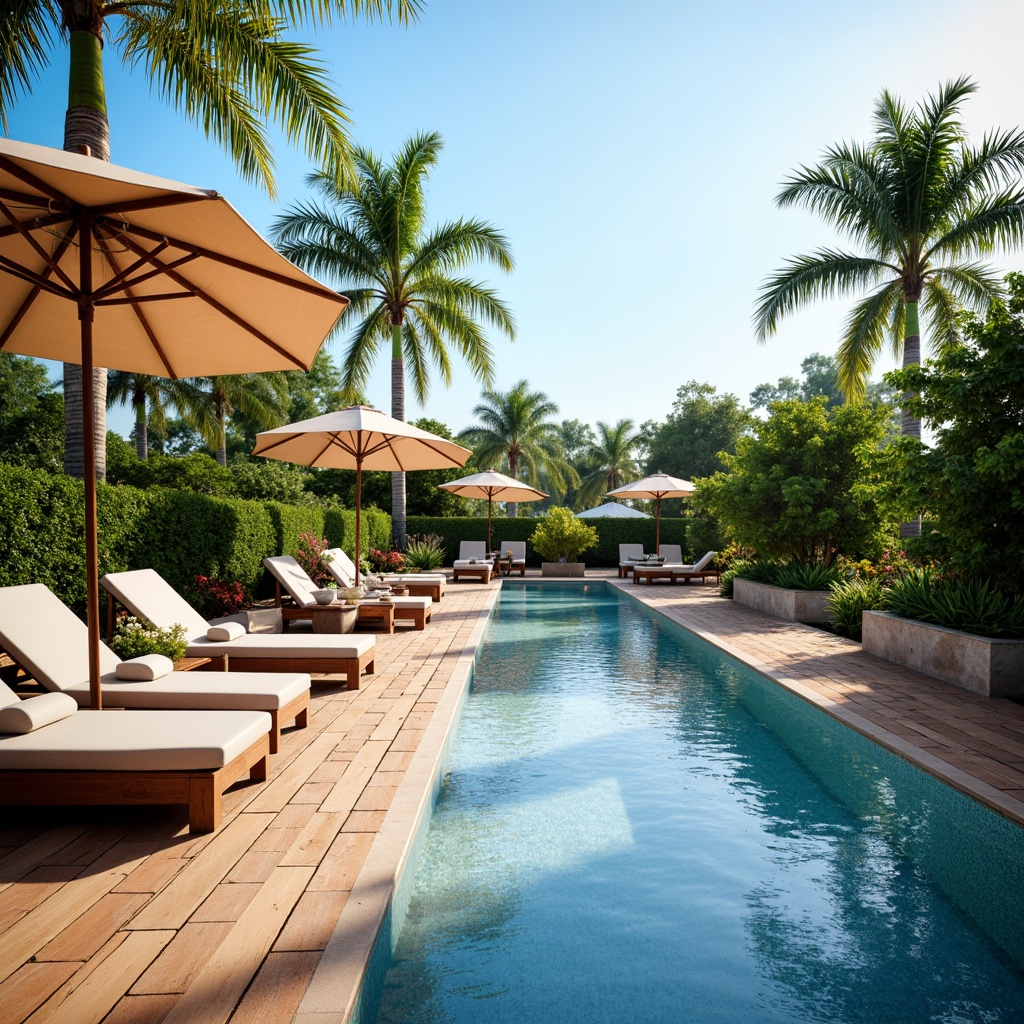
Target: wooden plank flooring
[119,915]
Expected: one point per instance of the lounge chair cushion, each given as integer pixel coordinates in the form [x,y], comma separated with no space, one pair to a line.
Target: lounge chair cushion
[136,741]
[28,715]
[226,632]
[287,571]
[145,668]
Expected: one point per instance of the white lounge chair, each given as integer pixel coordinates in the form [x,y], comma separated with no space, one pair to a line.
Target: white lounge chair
[290,576]
[147,595]
[629,555]
[518,549]
[47,639]
[473,561]
[671,553]
[131,757]
[699,569]
[419,584]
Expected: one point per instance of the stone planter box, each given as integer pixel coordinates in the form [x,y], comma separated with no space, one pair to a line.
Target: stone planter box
[562,568]
[792,605]
[993,668]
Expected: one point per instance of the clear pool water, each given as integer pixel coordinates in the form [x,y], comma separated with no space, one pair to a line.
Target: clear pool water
[637,829]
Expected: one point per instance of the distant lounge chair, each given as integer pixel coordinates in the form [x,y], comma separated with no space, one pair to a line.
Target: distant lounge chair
[518,549]
[699,569]
[131,757]
[419,584]
[671,553]
[146,594]
[473,561]
[629,555]
[47,639]
[294,579]
[673,571]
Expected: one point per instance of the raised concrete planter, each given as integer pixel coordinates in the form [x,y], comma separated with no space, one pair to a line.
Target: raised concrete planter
[562,568]
[993,668]
[793,605]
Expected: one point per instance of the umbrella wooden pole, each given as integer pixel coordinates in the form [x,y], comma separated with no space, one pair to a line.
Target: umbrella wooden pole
[489,500]
[359,501]
[657,523]
[92,569]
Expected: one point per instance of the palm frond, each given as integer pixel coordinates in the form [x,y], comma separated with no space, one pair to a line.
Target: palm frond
[942,308]
[823,274]
[372,333]
[994,220]
[864,337]
[25,41]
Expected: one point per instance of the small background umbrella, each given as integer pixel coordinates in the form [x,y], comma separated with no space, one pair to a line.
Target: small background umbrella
[655,487]
[110,267]
[493,486]
[359,438]
[612,510]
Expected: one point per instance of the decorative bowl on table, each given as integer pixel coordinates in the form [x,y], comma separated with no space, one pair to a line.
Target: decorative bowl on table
[324,596]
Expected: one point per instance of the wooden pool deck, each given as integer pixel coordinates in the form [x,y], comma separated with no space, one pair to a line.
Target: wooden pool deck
[118,915]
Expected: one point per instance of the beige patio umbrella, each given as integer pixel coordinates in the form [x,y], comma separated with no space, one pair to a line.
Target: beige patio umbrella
[359,438]
[655,487]
[111,267]
[493,486]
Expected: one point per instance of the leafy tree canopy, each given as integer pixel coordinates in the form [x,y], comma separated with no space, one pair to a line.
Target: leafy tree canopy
[971,481]
[820,377]
[799,489]
[31,415]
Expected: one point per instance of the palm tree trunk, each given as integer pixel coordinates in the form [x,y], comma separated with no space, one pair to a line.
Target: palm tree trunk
[141,432]
[222,448]
[398,524]
[910,425]
[512,507]
[86,129]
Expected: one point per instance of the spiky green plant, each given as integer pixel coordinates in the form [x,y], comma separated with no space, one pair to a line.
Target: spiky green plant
[850,599]
[971,605]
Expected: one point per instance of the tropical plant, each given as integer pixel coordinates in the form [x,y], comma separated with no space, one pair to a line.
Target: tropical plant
[923,206]
[370,234]
[796,576]
[213,597]
[848,601]
[561,537]
[758,570]
[311,554]
[133,639]
[263,397]
[383,560]
[516,432]
[221,65]
[150,398]
[972,605]
[610,461]
[424,552]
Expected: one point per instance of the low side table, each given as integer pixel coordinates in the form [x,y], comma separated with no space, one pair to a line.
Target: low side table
[330,618]
[378,611]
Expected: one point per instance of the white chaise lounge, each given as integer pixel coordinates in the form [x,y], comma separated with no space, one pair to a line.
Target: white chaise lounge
[147,595]
[473,561]
[294,580]
[518,549]
[128,757]
[629,555]
[50,642]
[419,584]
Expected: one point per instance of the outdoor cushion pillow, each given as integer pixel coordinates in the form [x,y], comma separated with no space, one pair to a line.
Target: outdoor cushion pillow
[228,631]
[144,669]
[34,713]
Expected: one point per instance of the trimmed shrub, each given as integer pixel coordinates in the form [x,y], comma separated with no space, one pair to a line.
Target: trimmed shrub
[561,535]
[340,529]
[290,521]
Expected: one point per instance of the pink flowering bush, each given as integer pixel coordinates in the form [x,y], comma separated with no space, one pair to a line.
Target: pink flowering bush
[216,597]
[311,554]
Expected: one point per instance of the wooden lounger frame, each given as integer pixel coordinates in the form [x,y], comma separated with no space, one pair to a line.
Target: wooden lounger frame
[350,668]
[423,588]
[652,573]
[201,789]
[483,572]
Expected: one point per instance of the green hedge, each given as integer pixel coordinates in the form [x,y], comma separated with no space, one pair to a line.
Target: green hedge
[611,533]
[340,529]
[291,520]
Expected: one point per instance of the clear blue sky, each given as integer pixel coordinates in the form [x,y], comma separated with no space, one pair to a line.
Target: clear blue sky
[630,154]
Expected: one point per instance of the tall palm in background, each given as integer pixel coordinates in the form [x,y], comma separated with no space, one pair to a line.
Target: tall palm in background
[516,432]
[370,235]
[262,397]
[223,65]
[611,461]
[150,398]
[923,206]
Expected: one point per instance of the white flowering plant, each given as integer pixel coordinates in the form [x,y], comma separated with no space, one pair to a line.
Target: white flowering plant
[135,638]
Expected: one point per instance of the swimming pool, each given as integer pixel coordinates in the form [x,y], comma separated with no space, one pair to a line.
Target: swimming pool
[634,827]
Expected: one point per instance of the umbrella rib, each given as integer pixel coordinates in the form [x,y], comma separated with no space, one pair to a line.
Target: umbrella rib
[105,249]
[40,251]
[312,287]
[36,280]
[29,178]
[209,300]
[30,298]
[37,222]
[175,199]
[136,281]
[114,283]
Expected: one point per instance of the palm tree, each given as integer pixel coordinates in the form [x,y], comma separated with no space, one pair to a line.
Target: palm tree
[370,235]
[516,431]
[150,397]
[611,460]
[263,397]
[924,206]
[219,64]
